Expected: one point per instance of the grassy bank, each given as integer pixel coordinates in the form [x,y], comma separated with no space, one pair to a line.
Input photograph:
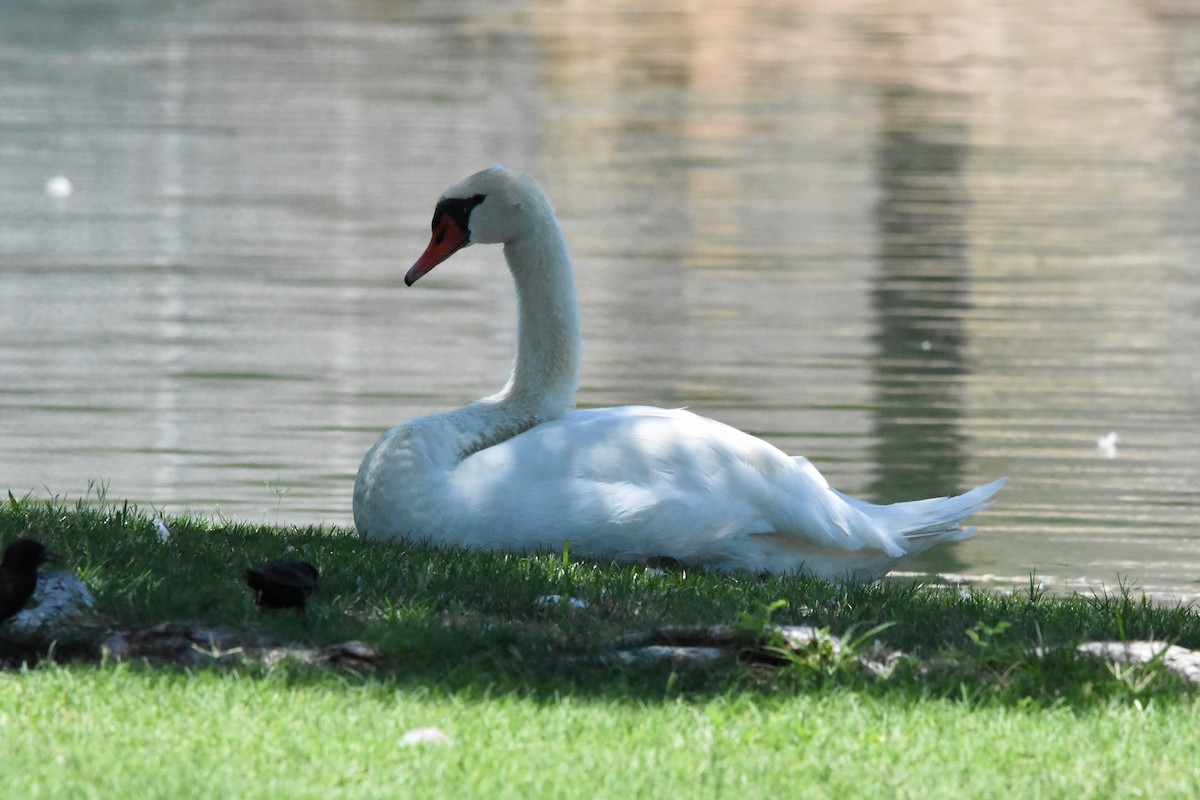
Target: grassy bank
[990,695]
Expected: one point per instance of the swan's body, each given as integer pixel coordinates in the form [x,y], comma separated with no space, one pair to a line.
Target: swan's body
[519,471]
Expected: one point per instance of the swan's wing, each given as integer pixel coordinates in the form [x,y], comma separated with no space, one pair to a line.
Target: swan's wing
[635,481]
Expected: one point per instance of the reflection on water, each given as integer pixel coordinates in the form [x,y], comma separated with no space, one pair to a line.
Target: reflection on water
[919,297]
[925,247]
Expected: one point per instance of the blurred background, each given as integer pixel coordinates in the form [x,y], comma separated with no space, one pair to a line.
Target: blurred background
[925,244]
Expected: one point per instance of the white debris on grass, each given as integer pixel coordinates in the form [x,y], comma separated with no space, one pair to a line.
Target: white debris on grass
[60,596]
[1180,660]
[801,637]
[677,656]
[674,655]
[551,600]
[164,533]
[429,735]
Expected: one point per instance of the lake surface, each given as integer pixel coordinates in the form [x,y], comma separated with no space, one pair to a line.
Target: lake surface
[925,245]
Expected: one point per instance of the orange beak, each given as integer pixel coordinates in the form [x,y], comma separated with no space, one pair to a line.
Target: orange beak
[447,239]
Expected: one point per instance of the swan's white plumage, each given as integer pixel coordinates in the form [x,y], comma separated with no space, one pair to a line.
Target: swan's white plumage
[518,471]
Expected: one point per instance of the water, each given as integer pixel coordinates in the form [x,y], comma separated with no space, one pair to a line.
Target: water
[923,247]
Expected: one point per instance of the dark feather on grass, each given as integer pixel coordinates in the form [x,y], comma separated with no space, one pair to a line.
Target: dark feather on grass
[282,584]
[18,574]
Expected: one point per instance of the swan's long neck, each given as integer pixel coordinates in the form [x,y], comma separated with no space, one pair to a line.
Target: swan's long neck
[546,372]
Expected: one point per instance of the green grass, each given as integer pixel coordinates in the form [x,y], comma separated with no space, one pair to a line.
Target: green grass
[121,732]
[533,712]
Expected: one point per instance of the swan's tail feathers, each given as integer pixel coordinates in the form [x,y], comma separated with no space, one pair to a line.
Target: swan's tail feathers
[919,524]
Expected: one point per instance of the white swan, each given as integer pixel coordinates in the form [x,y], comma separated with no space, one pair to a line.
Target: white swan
[520,471]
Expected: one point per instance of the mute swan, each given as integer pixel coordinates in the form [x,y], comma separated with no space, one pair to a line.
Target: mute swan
[520,471]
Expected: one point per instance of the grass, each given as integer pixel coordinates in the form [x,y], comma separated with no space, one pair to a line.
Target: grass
[123,731]
[534,712]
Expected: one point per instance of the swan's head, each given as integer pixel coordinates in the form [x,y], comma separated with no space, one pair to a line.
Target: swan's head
[490,207]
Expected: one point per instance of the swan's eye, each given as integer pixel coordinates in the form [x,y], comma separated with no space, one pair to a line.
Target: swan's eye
[458,210]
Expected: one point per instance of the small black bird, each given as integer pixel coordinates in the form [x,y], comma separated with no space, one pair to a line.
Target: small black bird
[18,574]
[282,584]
